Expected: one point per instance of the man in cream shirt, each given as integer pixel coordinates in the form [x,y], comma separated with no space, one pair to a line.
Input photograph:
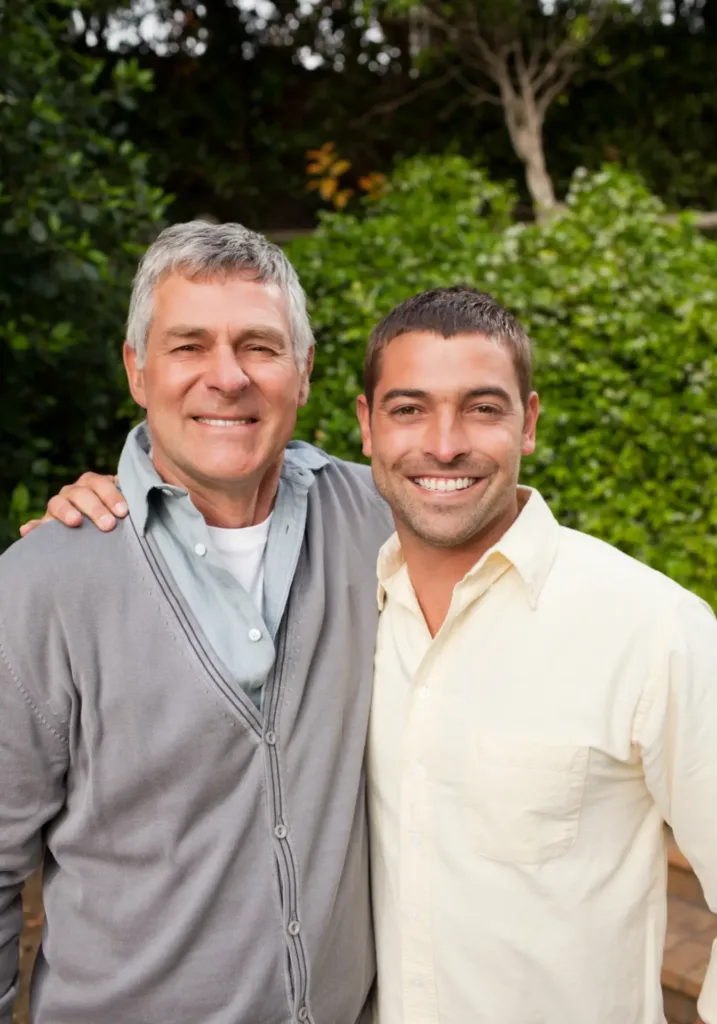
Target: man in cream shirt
[542,704]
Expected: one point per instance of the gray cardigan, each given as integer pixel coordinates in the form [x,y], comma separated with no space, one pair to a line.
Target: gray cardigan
[203,864]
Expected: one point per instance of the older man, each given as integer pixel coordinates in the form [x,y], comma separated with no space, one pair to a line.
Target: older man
[184,702]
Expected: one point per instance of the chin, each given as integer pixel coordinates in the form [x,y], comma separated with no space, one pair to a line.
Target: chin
[440,540]
[444,534]
[225,475]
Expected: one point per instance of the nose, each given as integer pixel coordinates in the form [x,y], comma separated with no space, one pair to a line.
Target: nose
[446,438]
[224,372]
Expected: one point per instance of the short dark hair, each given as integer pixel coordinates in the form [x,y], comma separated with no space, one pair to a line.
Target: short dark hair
[447,312]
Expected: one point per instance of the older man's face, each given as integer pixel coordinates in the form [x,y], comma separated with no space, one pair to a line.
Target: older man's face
[220,382]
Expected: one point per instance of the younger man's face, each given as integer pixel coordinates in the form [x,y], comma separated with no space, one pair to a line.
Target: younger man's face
[446,434]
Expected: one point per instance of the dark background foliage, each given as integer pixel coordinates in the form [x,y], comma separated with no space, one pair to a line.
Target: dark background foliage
[75,207]
[227,131]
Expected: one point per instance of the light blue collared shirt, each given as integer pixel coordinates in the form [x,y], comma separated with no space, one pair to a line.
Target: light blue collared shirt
[240,635]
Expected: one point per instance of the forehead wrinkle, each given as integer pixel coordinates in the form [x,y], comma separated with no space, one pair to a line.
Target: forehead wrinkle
[185,331]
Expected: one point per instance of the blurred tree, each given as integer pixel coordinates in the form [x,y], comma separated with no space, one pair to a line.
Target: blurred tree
[244,89]
[76,208]
[523,55]
[514,54]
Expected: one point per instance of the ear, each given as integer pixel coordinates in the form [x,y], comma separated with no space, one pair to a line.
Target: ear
[364,417]
[305,385]
[530,424]
[135,375]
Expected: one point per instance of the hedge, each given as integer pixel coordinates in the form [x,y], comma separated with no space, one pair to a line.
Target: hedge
[621,304]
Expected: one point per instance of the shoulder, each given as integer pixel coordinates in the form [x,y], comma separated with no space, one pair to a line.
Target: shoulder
[353,485]
[54,560]
[617,580]
[355,474]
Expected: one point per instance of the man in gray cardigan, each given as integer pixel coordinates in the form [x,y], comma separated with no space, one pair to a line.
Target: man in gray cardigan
[185,754]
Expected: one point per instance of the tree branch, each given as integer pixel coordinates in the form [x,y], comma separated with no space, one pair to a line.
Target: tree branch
[536,52]
[478,96]
[704,220]
[493,61]
[389,106]
[520,63]
[564,51]
[543,101]
[473,97]
[432,17]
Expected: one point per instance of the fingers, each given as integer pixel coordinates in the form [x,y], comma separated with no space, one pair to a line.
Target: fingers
[106,490]
[30,526]
[93,496]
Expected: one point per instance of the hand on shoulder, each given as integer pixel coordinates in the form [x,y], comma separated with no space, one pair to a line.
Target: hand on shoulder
[93,495]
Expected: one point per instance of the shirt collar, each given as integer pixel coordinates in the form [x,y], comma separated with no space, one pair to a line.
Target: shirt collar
[302,460]
[138,477]
[529,545]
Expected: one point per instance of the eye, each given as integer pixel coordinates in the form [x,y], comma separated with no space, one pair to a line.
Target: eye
[487,410]
[189,347]
[405,411]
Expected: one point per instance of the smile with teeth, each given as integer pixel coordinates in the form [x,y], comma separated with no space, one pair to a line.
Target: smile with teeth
[211,422]
[443,483]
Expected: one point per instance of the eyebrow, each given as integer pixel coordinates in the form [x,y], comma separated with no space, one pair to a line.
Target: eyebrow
[492,391]
[203,333]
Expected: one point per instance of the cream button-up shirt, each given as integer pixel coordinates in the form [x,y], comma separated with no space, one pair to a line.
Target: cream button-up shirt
[521,764]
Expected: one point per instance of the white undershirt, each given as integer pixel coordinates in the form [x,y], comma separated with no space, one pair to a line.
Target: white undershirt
[242,551]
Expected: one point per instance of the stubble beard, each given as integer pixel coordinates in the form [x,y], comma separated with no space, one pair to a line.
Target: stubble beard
[446,528]
[439,527]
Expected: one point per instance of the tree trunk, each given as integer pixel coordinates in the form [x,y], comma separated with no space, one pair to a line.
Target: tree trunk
[525,126]
[538,180]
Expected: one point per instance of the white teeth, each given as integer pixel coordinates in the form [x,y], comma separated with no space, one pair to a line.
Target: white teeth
[442,483]
[222,423]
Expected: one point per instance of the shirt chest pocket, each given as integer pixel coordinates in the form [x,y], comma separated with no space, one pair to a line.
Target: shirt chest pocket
[524,799]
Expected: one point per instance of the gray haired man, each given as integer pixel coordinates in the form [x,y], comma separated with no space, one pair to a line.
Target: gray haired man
[185,755]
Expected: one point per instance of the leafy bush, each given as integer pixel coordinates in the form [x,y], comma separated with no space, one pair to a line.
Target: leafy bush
[622,307]
[76,208]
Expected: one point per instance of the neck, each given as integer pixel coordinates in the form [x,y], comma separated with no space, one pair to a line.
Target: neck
[435,571]
[245,503]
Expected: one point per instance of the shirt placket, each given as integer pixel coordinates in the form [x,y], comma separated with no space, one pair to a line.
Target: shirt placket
[417,853]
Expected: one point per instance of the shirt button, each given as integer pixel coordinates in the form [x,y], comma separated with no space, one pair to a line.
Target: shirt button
[280,831]
[423,691]
[303,1013]
[270,738]
[199,549]
[254,635]
[294,927]
[419,771]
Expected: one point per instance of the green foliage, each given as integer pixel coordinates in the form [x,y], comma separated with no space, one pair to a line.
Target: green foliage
[76,208]
[622,307]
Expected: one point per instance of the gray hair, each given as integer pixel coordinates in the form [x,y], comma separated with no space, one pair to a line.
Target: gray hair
[198,249]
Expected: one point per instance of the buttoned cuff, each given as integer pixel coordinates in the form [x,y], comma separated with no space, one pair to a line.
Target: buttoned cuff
[707,1003]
